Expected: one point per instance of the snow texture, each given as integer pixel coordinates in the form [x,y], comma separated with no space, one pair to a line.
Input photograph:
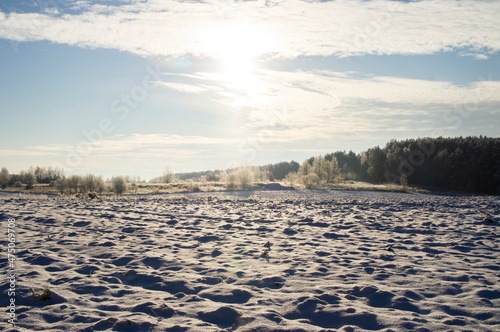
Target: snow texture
[257,261]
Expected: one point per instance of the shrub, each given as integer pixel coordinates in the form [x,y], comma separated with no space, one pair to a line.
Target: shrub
[245,178]
[89,183]
[230,180]
[311,180]
[119,184]
[292,178]
[61,185]
[28,178]
[100,186]
[18,184]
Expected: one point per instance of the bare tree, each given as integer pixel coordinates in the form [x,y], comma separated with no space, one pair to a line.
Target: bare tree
[74,182]
[100,186]
[62,184]
[28,178]
[4,177]
[404,181]
[89,183]
[168,175]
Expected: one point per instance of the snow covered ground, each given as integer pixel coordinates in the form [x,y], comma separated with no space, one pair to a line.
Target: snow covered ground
[255,261]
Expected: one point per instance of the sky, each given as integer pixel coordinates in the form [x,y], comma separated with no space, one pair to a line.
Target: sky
[131,87]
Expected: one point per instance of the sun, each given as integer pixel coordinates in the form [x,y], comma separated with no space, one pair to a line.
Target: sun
[237,45]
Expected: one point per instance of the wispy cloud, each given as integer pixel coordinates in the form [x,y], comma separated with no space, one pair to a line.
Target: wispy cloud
[139,141]
[289,28]
[323,105]
[134,142]
[181,87]
[131,152]
[24,153]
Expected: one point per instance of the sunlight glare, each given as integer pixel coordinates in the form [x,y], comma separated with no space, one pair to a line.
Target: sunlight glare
[237,45]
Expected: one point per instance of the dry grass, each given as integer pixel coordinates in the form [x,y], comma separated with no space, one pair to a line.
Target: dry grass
[43,295]
[26,196]
[40,192]
[358,185]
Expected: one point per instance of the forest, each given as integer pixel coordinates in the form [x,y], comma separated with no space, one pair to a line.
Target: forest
[470,164]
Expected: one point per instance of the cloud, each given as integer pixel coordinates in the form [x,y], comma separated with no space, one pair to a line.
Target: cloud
[299,106]
[327,89]
[308,112]
[140,141]
[304,110]
[185,88]
[131,143]
[131,151]
[288,29]
[24,153]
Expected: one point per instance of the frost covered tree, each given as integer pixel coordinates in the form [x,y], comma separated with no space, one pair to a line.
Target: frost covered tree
[4,177]
[306,168]
[319,167]
[292,178]
[168,175]
[332,170]
[311,180]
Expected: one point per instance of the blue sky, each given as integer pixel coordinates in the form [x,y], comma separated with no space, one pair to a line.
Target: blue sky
[129,87]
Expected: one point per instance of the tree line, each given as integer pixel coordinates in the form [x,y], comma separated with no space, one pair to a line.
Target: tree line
[30,177]
[54,177]
[468,164]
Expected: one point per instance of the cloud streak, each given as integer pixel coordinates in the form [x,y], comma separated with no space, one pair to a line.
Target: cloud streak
[292,28]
